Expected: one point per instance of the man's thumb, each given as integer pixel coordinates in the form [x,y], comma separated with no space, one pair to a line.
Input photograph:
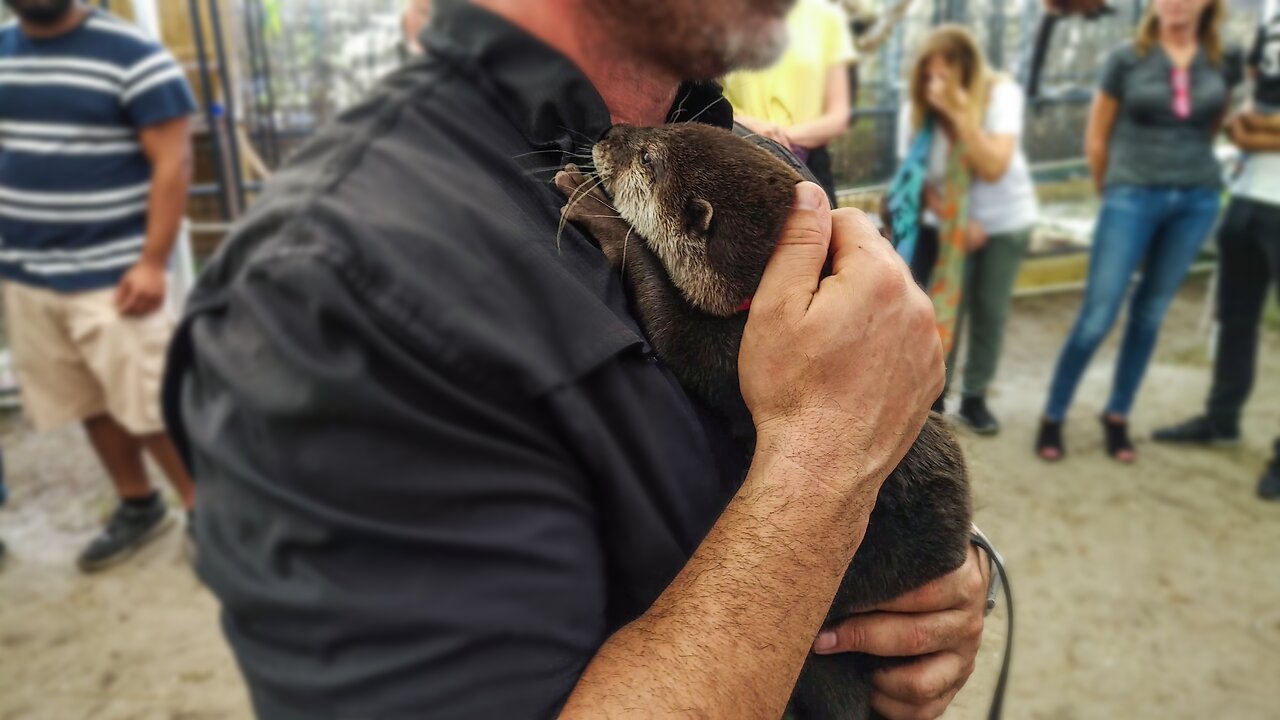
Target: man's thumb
[796,266]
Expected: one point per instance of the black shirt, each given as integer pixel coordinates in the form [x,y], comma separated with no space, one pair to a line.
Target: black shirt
[1264,57]
[437,463]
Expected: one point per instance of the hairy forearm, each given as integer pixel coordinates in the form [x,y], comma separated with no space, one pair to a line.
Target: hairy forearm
[170,184]
[728,637]
[817,133]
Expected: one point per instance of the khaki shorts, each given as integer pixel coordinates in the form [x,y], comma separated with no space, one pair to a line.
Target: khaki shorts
[77,358]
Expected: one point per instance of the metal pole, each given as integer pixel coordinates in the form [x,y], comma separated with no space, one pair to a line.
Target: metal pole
[268,80]
[228,98]
[206,95]
[995,42]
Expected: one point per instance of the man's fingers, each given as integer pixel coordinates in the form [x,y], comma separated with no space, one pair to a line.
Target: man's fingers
[898,634]
[793,272]
[125,297]
[853,232]
[931,678]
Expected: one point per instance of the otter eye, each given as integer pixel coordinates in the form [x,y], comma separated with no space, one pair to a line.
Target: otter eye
[647,158]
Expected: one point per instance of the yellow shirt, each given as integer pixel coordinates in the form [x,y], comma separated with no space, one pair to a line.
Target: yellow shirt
[794,89]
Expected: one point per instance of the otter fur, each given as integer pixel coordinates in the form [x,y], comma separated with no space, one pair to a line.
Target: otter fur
[690,214]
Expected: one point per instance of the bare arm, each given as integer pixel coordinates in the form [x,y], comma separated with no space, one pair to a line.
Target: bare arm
[1097,135]
[168,149]
[730,634]
[1253,140]
[835,114]
[987,155]
[765,128]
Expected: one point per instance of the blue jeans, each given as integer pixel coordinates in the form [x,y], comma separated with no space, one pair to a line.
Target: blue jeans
[1161,229]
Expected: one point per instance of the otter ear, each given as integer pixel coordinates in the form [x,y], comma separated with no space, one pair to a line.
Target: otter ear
[697,216]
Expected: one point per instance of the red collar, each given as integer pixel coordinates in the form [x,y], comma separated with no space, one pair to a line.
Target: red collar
[745,305]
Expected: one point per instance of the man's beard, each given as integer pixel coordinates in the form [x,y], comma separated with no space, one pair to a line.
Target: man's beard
[40,12]
[700,40]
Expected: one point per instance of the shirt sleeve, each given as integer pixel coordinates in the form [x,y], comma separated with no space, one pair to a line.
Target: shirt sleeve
[385,540]
[1005,110]
[155,90]
[904,130]
[840,49]
[1114,72]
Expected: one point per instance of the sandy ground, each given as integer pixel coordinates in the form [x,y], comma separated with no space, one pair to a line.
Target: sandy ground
[1143,592]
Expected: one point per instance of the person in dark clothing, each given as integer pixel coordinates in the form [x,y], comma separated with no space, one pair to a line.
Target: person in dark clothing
[441,472]
[1249,262]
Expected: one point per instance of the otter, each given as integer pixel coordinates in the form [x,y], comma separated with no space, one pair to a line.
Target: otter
[690,214]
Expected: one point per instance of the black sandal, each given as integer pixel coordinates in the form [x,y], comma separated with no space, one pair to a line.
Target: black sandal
[1050,438]
[1117,437]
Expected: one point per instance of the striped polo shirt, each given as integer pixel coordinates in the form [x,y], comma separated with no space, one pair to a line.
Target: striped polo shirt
[74,181]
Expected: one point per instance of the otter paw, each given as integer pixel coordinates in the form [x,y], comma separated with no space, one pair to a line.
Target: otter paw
[585,199]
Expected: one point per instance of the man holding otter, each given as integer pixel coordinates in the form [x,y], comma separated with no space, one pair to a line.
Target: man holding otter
[441,472]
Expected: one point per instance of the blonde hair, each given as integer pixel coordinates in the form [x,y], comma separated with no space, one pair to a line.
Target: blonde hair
[958,48]
[1208,30]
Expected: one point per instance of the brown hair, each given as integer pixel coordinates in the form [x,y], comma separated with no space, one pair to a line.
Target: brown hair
[958,48]
[1208,32]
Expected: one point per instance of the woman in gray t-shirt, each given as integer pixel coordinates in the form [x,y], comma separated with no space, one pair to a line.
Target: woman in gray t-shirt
[1150,149]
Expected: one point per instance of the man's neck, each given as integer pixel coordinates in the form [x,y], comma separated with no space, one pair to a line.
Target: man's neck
[69,22]
[636,91]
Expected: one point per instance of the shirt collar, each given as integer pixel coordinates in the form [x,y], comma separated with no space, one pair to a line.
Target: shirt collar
[539,90]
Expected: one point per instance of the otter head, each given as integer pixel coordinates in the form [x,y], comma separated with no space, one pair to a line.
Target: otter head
[709,204]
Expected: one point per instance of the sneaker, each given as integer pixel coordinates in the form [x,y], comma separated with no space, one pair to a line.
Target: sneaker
[974,413]
[1198,431]
[127,530]
[1269,485]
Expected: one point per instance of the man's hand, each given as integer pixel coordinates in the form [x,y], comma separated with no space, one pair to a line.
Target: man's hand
[940,622]
[839,372]
[142,290]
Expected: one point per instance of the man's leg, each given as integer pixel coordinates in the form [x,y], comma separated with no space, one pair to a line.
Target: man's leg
[1241,294]
[121,456]
[1269,485]
[126,358]
[162,450]
[141,515]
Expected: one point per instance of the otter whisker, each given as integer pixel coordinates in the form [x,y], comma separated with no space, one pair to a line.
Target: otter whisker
[548,152]
[578,195]
[554,169]
[625,241]
[586,139]
[713,103]
[675,117]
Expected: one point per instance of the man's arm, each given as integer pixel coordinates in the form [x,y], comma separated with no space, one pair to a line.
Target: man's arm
[832,420]
[1254,140]
[168,149]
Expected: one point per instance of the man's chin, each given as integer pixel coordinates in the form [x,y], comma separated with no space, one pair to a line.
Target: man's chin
[755,48]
